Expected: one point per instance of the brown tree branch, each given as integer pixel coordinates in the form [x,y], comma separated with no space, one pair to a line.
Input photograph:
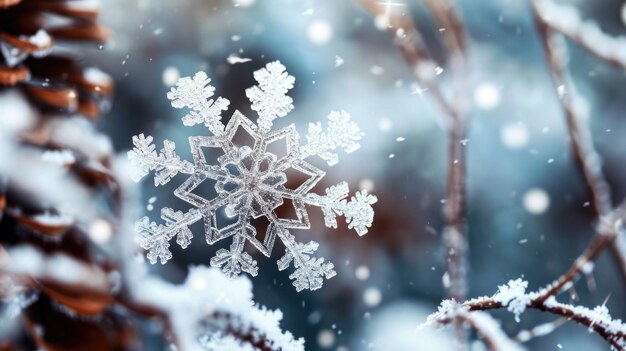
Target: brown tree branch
[614,337]
[411,44]
[586,157]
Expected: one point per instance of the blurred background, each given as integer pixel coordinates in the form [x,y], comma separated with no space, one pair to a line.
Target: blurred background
[528,214]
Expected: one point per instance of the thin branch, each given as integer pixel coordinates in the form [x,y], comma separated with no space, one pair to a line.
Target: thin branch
[608,230]
[566,20]
[488,328]
[413,48]
[411,44]
[585,154]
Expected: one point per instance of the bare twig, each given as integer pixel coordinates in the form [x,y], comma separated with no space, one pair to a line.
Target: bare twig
[587,158]
[418,57]
[488,328]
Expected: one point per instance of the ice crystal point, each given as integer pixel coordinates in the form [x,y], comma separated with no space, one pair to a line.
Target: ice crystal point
[269,97]
[250,181]
[165,165]
[359,212]
[341,132]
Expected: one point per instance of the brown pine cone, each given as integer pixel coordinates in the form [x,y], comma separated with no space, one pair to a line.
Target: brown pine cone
[40,61]
[36,55]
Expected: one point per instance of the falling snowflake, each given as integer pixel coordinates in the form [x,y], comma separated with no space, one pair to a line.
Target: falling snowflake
[250,181]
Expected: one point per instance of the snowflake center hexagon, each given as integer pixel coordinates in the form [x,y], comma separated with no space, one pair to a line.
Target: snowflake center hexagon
[250,181]
[254,181]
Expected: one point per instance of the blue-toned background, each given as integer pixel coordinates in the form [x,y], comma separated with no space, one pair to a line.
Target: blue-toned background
[390,279]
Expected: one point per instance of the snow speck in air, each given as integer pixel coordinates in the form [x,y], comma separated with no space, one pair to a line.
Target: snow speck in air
[385,124]
[100,231]
[536,201]
[362,272]
[372,297]
[514,136]
[623,13]
[326,338]
[366,184]
[234,59]
[320,32]
[170,76]
[486,96]
[377,70]
[338,61]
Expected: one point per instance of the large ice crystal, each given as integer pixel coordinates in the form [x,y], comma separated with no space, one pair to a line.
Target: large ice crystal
[250,180]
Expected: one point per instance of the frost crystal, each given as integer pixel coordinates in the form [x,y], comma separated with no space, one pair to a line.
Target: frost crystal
[513,295]
[250,181]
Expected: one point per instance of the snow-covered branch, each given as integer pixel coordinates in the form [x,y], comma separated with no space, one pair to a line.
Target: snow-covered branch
[566,20]
[513,297]
[551,21]
[451,312]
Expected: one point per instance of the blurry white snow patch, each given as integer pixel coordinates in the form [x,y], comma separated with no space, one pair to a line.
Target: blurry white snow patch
[338,61]
[52,219]
[320,32]
[362,272]
[393,328]
[514,136]
[59,157]
[100,231]
[16,113]
[28,261]
[536,201]
[372,297]
[170,76]
[97,77]
[486,96]
[79,134]
[243,3]
[366,184]
[326,338]
[385,124]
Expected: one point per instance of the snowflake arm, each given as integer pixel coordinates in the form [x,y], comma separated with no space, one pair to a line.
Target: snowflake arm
[195,93]
[155,237]
[310,271]
[269,97]
[358,211]
[341,132]
[235,260]
[165,165]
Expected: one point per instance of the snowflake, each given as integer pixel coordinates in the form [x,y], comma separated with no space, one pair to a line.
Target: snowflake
[250,181]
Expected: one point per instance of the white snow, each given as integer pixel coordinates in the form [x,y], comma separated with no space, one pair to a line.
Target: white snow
[59,157]
[513,296]
[207,291]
